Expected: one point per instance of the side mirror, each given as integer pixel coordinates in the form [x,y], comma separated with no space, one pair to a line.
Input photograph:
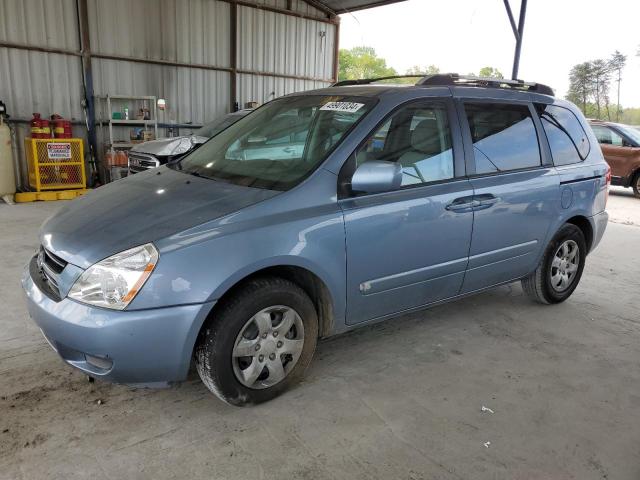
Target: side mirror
[377,176]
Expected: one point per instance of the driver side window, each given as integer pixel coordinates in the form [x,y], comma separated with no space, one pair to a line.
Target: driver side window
[417,137]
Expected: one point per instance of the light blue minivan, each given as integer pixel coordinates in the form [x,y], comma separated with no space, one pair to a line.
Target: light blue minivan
[393,198]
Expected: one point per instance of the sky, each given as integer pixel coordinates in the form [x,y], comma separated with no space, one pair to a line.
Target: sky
[465,35]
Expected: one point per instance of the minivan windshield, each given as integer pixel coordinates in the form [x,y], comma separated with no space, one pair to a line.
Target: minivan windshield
[280,144]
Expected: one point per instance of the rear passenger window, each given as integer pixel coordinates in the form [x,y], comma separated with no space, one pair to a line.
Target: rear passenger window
[504,137]
[567,139]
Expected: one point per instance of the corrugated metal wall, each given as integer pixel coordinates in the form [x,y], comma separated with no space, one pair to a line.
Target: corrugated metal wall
[263,89]
[272,43]
[36,81]
[192,32]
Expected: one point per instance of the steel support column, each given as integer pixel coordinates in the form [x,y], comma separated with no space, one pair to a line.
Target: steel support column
[518,32]
[336,52]
[87,73]
[233,55]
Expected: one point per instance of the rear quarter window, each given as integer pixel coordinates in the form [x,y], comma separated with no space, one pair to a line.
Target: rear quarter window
[567,139]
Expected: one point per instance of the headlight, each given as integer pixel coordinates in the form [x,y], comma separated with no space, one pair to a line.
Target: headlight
[115,281]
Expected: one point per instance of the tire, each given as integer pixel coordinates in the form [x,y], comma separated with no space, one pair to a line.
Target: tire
[546,284]
[251,322]
[635,184]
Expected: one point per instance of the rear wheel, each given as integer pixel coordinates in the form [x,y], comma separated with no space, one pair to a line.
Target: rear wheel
[259,343]
[560,269]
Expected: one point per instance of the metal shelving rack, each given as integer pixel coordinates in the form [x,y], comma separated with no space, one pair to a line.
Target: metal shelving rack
[105,108]
[105,115]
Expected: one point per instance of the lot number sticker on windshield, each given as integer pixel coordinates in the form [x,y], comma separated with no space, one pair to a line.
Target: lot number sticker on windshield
[349,107]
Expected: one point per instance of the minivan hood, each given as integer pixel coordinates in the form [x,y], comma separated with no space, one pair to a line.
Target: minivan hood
[169,146]
[139,209]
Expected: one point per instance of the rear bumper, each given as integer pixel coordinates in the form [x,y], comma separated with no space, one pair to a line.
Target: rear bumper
[599,225]
[149,347]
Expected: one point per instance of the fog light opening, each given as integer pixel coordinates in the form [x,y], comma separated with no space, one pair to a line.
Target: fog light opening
[102,363]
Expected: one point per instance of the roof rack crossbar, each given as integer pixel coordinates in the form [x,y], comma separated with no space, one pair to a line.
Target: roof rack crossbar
[460,80]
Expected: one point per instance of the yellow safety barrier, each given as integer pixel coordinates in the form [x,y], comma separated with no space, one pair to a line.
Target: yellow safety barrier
[55,163]
[23,197]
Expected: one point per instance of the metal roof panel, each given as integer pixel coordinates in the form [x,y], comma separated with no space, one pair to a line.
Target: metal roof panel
[346,6]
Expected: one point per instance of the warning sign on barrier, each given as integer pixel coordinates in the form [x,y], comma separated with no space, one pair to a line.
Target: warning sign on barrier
[59,151]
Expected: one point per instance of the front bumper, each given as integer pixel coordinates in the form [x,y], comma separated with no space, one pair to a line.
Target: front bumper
[148,347]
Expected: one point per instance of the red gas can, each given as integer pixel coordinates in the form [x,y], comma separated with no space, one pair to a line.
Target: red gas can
[46,130]
[61,127]
[36,126]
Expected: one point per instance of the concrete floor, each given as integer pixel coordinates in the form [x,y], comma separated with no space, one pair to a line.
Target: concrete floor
[400,400]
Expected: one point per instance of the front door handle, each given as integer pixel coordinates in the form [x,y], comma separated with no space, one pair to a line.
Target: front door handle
[486,200]
[462,204]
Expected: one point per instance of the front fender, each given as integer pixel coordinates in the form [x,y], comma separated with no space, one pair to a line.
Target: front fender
[202,269]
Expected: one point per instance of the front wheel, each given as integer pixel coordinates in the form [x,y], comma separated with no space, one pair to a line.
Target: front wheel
[560,269]
[259,342]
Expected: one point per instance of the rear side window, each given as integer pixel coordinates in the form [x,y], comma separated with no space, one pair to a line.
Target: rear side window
[567,139]
[504,137]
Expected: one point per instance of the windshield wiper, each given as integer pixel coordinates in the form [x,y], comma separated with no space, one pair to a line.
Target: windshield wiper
[199,175]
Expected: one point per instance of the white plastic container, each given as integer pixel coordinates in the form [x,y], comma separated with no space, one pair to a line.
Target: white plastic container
[7,173]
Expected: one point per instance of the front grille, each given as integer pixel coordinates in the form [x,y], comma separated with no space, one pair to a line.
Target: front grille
[139,162]
[49,267]
[53,262]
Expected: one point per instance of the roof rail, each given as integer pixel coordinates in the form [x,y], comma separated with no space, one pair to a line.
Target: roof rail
[471,81]
[459,80]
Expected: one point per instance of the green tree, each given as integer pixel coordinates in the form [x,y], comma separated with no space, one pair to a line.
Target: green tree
[490,72]
[616,64]
[580,85]
[589,85]
[426,70]
[418,71]
[600,72]
[362,62]
[630,116]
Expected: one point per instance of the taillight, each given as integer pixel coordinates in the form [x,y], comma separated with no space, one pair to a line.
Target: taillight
[608,183]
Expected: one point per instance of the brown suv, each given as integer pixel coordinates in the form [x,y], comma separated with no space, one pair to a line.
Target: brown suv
[621,149]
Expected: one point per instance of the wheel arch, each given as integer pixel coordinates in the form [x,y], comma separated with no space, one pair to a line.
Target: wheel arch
[585,226]
[305,278]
